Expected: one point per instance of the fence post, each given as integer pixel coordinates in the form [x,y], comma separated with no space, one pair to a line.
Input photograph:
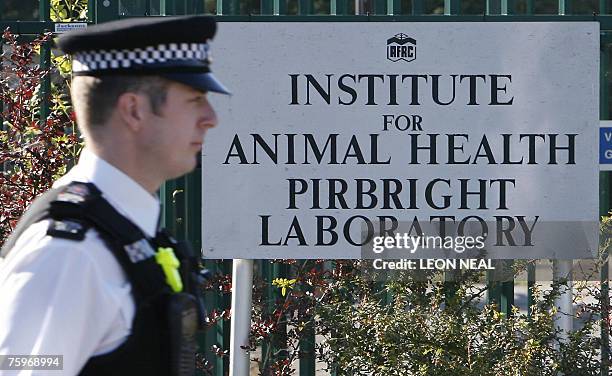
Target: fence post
[494,288]
[604,203]
[223,326]
[493,7]
[531,277]
[565,7]
[45,62]
[604,192]
[305,7]
[211,301]
[267,7]
[452,7]
[507,289]
[91,10]
[450,285]
[307,339]
[279,346]
[501,290]
[307,349]
[417,7]
[219,334]
[503,7]
[271,349]
[339,7]
[267,275]
[331,265]
[106,10]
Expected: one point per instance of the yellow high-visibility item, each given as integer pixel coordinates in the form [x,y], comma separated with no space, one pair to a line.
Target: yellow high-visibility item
[170,264]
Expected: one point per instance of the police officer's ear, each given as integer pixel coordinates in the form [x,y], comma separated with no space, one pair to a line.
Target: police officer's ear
[133,109]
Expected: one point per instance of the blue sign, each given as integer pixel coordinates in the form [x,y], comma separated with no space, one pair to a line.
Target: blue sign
[605,145]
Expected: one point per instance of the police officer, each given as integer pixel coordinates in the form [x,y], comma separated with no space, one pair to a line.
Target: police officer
[86,275]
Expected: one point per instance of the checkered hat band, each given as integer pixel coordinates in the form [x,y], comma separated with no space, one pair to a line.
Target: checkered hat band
[121,59]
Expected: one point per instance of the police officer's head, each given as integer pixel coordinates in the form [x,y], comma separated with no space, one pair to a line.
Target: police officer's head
[140,90]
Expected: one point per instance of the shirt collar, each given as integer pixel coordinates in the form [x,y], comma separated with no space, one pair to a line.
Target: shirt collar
[121,191]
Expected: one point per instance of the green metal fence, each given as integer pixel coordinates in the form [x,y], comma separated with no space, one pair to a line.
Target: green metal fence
[181,198]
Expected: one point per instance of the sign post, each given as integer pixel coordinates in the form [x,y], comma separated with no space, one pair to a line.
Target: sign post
[564,320]
[242,284]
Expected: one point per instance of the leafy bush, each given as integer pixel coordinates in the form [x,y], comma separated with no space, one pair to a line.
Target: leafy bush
[68,10]
[34,150]
[414,327]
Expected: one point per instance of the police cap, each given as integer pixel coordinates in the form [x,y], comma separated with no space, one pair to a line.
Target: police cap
[172,47]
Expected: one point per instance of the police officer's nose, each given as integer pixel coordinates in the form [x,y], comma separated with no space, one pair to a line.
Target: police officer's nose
[209,120]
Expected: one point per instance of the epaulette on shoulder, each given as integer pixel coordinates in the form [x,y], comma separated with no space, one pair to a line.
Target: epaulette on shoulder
[77,193]
[66,211]
[67,229]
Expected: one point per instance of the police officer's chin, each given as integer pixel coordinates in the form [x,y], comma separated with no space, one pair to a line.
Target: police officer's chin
[197,162]
[184,167]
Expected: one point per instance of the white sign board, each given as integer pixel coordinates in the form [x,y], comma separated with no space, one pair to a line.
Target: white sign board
[336,130]
[69,26]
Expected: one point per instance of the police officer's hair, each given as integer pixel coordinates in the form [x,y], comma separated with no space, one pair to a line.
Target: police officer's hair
[95,98]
